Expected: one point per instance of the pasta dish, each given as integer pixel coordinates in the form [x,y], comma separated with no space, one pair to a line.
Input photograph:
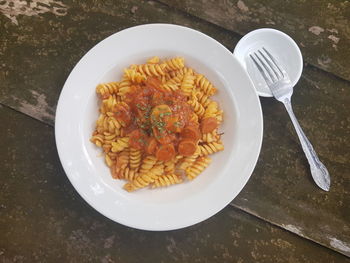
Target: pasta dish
[158,125]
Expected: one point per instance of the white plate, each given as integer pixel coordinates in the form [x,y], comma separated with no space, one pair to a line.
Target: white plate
[280,45]
[177,206]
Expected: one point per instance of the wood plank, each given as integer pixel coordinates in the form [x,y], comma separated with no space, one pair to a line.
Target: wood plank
[281,189]
[320,28]
[37,59]
[43,219]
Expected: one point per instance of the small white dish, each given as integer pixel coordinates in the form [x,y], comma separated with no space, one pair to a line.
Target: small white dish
[180,205]
[280,45]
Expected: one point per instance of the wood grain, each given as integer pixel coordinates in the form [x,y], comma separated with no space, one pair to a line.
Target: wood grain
[43,219]
[320,28]
[39,51]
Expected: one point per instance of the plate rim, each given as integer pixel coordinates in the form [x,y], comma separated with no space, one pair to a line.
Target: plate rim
[85,197]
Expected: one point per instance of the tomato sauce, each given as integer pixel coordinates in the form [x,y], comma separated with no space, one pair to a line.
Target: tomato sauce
[155,116]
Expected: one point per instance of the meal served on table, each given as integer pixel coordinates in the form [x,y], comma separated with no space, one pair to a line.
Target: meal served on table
[158,125]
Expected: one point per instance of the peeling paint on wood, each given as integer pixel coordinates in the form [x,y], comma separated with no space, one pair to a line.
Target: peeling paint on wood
[281,190]
[36,195]
[36,60]
[293,229]
[316,30]
[334,38]
[36,57]
[14,8]
[305,21]
[339,245]
[39,110]
[241,5]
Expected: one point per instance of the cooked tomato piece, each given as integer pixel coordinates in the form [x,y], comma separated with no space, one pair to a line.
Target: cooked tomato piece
[165,152]
[191,133]
[187,147]
[209,124]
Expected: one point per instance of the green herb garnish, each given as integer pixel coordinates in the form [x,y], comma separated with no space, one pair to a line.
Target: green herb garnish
[141,107]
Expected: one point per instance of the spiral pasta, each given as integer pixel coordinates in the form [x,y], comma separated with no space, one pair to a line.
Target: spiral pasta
[169,167]
[107,89]
[194,118]
[204,85]
[197,107]
[210,137]
[202,98]
[108,160]
[153,60]
[124,87]
[107,149]
[107,124]
[140,181]
[147,164]
[129,174]
[219,115]
[211,110]
[188,161]
[165,136]
[152,69]
[210,148]
[166,180]
[175,63]
[113,156]
[120,144]
[173,83]
[144,179]
[164,78]
[182,71]
[197,167]
[135,158]
[134,76]
[97,139]
[120,165]
[108,104]
[187,84]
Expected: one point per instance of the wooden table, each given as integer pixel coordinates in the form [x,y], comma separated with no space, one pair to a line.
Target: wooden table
[280,216]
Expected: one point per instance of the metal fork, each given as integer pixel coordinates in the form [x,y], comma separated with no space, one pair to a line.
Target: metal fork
[281,87]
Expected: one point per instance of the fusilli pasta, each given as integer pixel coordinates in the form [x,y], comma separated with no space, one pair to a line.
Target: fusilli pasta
[158,124]
[210,148]
[166,180]
[175,63]
[197,167]
[107,89]
[204,85]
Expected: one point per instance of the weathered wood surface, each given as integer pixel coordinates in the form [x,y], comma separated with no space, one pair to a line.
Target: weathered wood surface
[39,51]
[43,219]
[320,28]
[281,189]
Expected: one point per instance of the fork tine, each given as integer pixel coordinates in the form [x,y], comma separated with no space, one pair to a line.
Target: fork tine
[274,61]
[262,71]
[272,66]
[273,78]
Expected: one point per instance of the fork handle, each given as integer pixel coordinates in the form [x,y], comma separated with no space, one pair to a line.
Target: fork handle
[318,171]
